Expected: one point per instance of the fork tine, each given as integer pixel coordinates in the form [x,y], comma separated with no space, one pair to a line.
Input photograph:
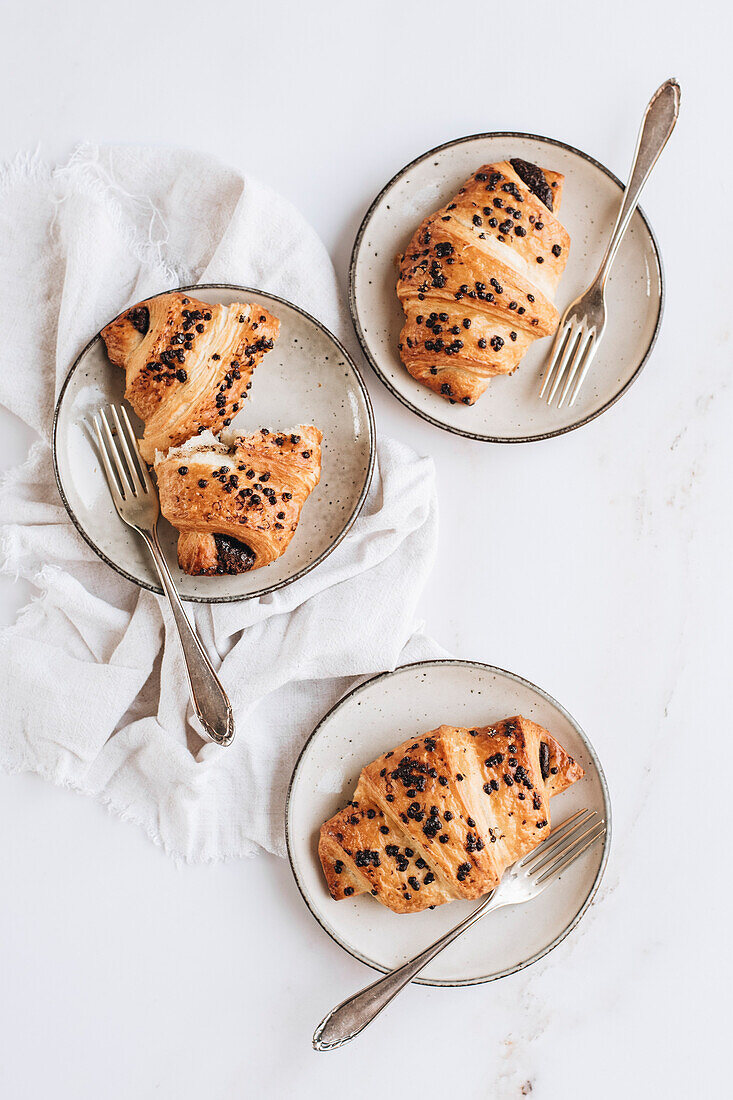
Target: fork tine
[584,371]
[568,357]
[558,837]
[138,485]
[569,855]
[142,466]
[114,453]
[556,832]
[132,450]
[556,355]
[566,843]
[116,488]
[578,361]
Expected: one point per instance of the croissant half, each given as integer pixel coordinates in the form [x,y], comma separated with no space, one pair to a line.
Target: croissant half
[188,364]
[237,507]
[478,278]
[441,817]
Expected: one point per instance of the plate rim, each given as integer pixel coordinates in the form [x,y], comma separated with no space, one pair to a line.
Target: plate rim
[466,433]
[483,979]
[269,588]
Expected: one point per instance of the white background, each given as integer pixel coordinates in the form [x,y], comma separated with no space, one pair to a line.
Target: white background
[597,564]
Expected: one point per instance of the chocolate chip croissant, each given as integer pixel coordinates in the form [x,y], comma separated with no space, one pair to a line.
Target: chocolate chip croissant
[442,816]
[188,364]
[237,507]
[478,278]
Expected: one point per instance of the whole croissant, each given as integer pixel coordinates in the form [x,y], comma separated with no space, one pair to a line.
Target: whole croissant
[237,507]
[442,816]
[188,364]
[477,279]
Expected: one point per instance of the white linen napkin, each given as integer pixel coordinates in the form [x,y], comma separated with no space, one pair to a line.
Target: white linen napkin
[93,683]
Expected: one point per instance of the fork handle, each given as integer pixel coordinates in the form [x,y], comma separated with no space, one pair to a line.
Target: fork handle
[349,1018]
[658,123]
[209,699]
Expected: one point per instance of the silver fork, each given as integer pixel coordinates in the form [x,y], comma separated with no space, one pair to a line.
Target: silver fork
[583,322]
[521,882]
[136,500]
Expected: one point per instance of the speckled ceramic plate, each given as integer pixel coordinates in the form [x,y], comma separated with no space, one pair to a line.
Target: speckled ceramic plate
[510,410]
[307,378]
[375,717]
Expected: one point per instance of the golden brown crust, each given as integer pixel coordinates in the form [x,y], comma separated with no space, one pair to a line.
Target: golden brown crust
[442,816]
[188,364]
[238,507]
[477,281]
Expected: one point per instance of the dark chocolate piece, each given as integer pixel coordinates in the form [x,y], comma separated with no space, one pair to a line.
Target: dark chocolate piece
[535,179]
[139,318]
[234,556]
[544,760]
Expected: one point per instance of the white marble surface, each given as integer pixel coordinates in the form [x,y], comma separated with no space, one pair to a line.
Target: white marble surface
[597,564]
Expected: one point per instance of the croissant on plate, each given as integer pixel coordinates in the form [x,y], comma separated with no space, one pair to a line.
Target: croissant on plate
[442,816]
[237,507]
[188,364]
[478,278]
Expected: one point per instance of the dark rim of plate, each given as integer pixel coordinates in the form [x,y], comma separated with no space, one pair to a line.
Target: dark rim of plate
[348,523]
[494,670]
[503,134]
